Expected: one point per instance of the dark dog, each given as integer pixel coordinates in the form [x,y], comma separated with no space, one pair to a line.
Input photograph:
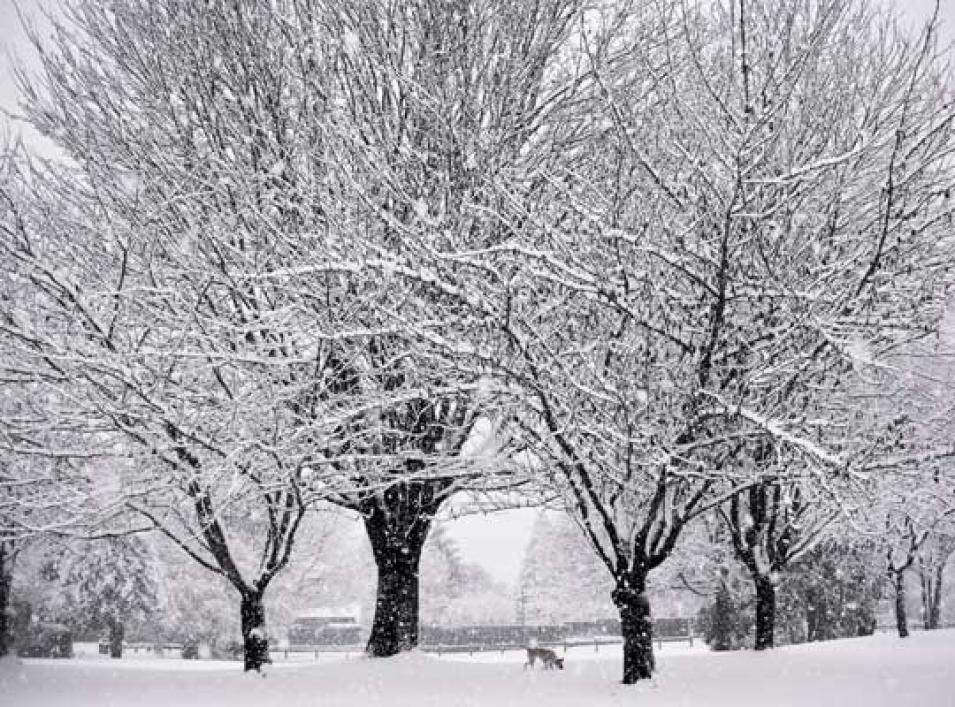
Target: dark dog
[546,656]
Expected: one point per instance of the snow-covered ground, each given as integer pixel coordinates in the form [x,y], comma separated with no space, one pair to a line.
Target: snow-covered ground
[864,672]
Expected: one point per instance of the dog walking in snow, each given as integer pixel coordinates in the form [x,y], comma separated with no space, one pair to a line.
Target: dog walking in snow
[546,656]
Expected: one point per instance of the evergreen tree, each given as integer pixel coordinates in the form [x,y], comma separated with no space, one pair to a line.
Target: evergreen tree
[99,585]
[197,605]
[725,624]
[455,592]
[561,577]
[933,557]
[832,593]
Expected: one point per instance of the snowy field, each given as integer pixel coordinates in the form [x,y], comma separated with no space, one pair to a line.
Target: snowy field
[864,672]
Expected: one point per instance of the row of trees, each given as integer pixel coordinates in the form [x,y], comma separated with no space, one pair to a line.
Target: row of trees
[144,589]
[219,395]
[646,256]
[683,303]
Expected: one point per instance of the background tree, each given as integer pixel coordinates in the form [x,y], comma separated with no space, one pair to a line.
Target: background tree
[41,490]
[918,482]
[724,624]
[905,532]
[41,496]
[772,523]
[561,578]
[455,592]
[196,605]
[833,590]
[933,557]
[98,585]
[910,503]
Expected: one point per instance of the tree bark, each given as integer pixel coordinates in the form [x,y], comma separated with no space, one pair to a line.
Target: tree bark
[931,581]
[637,630]
[765,613]
[935,616]
[722,628]
[815,614]
[117,632]
[901,620]
[397,521]
[396,541]
[255,640]
[6,581]
[395,628]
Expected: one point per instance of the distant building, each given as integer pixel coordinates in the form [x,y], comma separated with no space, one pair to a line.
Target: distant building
[325,627]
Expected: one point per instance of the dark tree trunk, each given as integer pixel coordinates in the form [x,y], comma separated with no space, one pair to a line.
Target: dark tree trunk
[117,632]
[815,614]
[395,628]
[931,581]
[397,533]
[723,628]
[901,620]
[255,641]
[935,615]
[637,630]
[765,613]
[6,580]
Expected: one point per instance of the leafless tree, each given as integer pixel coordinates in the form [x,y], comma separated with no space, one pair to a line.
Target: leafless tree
[933,557]
[432,101]
[772,523]
[146,314]
[745,207]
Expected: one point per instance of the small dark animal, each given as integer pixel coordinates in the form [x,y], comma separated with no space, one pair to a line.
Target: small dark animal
[546,656]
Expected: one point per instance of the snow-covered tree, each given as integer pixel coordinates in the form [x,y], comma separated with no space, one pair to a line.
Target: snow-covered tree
[433,101]
[41,496]
[724,623]
[909,507]
[149,313]
[744,207]
[336,571]
[914,507]
[561,578]
[933,557]
[100,585]
[456,592]
[772,523]
[833,590]
[910,525]
[41,490]
[224,328]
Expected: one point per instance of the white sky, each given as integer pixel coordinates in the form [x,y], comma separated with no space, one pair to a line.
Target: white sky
[496,541]
[12,41]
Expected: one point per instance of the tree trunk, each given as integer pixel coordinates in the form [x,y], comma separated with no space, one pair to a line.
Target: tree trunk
[117,633]
[901,621]
[935,616]
[931,582]
[722,629]
[397,522]
[765,613]
[6,580]
[815,614]
[255,640]
[637,630]
[397,556]
[395,628]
